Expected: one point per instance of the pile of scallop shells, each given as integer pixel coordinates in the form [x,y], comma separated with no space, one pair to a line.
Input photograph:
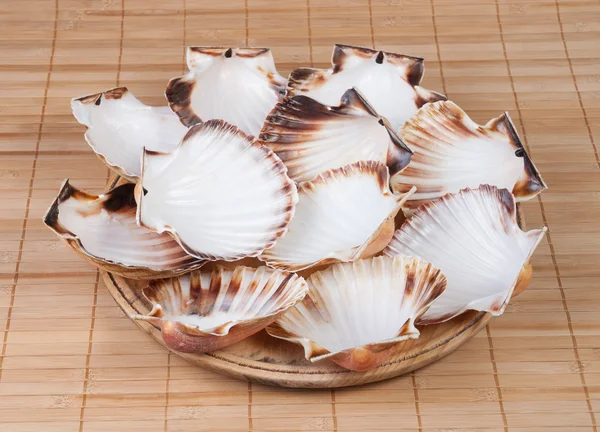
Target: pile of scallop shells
[362,205]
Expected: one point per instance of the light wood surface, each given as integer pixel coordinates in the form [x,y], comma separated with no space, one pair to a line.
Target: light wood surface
[70,360]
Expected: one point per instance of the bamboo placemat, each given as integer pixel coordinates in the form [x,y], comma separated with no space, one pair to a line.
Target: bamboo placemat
[70,361]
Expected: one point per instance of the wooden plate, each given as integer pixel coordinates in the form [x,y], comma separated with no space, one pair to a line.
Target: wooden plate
[267,360]
[271,361]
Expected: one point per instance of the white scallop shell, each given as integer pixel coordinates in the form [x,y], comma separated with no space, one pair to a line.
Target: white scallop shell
[220,194]
[452,152]
[356,311]
[389,81]
[207,310]
[339,216]
[238,85]
[120,126]
[474,239]
[310,137]
[103,230]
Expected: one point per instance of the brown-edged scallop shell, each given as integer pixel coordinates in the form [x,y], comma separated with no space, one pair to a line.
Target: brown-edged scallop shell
[452,152]
[221,195]
[389,81]
[238,85]
[119,126]
[355,313]
[103,230]
[207,310]
[341,215]
[474,239]
[310,137]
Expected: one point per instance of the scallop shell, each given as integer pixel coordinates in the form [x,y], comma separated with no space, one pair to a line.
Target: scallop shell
[239,85]
[220,194]
[205,311]
[453,152]
[119,126]
[474,239]
[341,215]
[310,137]
[103,230]
[355,313]
[389,81]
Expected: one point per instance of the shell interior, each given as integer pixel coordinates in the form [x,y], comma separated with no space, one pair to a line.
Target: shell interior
[452,152]
[337,216]
[120,126]
[365,303]
[213,302]
[389,81]
[238,85]
[221,195]
[104,228]
[474,239]
[310,137]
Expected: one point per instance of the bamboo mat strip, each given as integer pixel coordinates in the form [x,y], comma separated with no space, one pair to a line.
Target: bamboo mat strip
[583,111]
[71,361]
[539,199]
[30,192]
